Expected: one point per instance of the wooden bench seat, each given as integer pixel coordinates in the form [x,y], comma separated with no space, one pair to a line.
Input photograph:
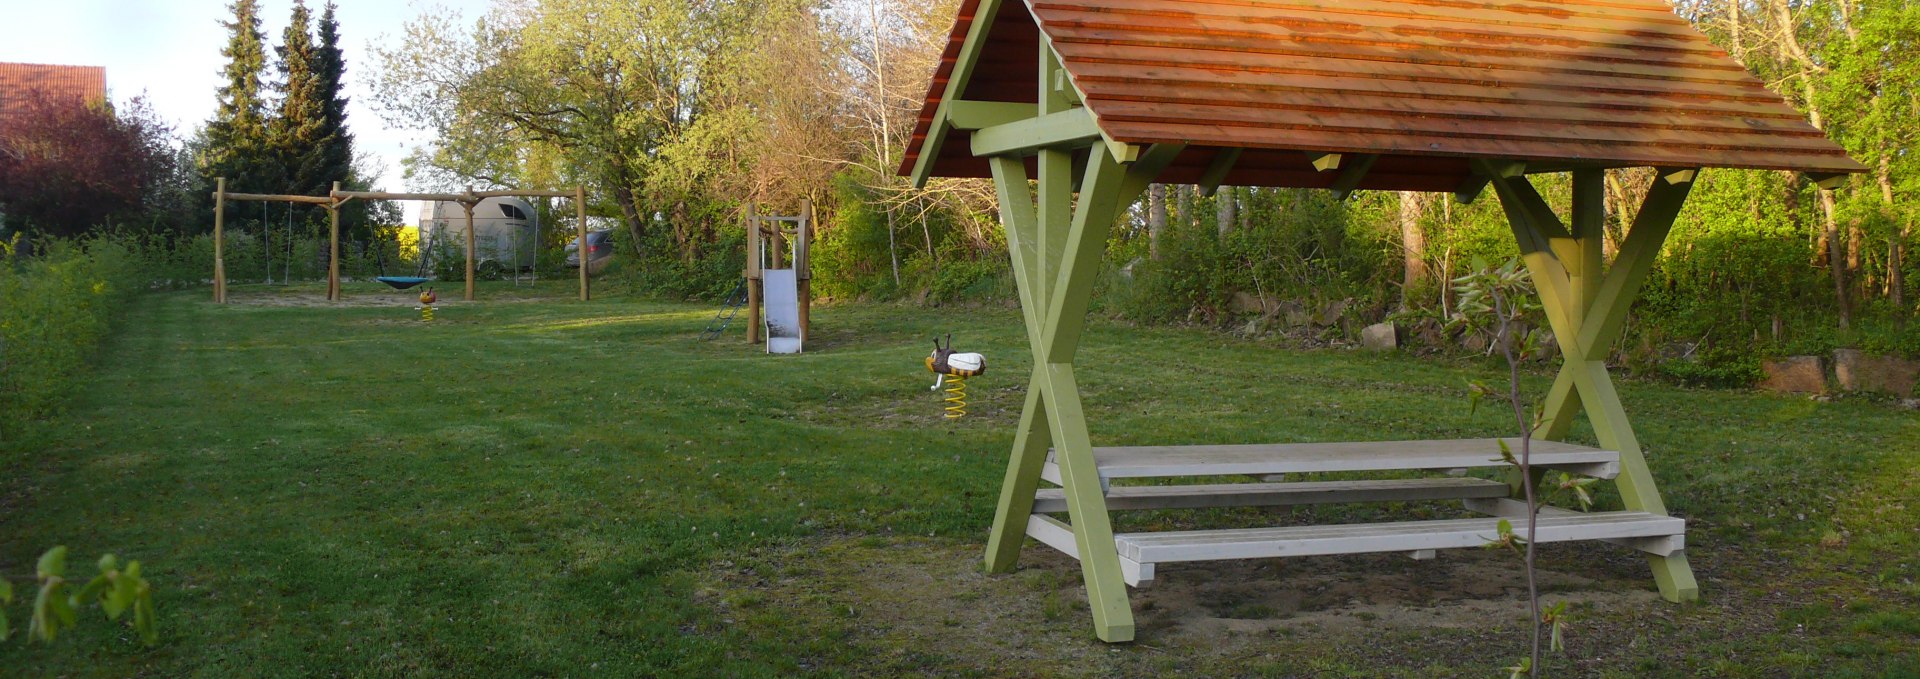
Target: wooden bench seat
[1294,458]
[1196,496]
[1661,535]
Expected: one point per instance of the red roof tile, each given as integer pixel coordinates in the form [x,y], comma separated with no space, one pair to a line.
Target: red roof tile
[19,81]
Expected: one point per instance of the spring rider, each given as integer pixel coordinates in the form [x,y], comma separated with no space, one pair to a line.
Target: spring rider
[426,304]
[953,370]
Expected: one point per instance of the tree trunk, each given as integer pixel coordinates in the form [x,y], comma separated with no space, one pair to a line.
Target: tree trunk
[685,231]
[630,213]
[926,232]
[1791,50]
[1413,246]
[1245,208]
[893,251]
[1183,205]
[1896,279]
[1224,210]
[629,205]
[1156,217]
[1836,259]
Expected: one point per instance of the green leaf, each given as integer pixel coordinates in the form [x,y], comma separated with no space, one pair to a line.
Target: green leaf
[63,607]
[92,591]
[6,591]
[52,564]
[143,616]
[107,563]
[45,623]
[1556,618]
[116,600]
[1522,669]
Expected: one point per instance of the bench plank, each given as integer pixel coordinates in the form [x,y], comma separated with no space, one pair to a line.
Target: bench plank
[1288,458]
[1057,534]
[1401,536]
[1195,496]
[1514,509]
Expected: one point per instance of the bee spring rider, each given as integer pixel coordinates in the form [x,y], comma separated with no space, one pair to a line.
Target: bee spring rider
[426,304]
[953,370]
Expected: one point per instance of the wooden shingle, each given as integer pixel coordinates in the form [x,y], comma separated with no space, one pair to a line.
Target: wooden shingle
[1425,84]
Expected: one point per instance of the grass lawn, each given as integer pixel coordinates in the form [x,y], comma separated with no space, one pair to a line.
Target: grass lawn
[535,486]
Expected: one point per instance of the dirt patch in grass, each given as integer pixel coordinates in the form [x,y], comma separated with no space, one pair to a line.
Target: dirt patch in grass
[914,604]
[304,299]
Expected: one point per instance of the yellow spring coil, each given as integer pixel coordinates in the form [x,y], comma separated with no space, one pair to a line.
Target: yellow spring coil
[956,397]
[426,313]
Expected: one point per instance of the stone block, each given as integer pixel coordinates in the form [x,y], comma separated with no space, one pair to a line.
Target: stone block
[1855,370]
[1795,375]
[1379,337]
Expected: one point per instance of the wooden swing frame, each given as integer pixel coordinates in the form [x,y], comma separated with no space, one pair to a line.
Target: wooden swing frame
[337,198]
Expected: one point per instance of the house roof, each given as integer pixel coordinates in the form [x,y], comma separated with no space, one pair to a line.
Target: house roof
[1427,85]
[17,81]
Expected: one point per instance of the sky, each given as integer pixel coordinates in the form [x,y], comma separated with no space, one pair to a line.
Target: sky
[169,50]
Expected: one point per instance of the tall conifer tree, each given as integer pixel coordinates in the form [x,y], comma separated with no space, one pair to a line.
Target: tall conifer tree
[301,123]
[330,69]
[237,145]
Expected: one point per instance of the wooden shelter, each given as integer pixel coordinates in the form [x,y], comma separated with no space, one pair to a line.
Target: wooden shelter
[1074,106]
[336,198]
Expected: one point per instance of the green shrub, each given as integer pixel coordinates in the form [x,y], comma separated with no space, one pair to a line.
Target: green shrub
[54,309]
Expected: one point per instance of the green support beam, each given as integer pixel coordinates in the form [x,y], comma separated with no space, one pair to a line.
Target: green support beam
[1586,310]
[1071,128]
[1053,412]
[1217,169]
[957,81]
[1352,171]
[1056,234]
[973,115]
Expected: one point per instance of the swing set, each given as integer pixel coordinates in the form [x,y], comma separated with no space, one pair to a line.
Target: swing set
[337,198]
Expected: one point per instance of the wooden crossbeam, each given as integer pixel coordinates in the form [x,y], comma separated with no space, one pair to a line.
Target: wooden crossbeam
[1826,180]
[973,115]
[1070,128]
[1484,171]
[1352,172]
[1217,169]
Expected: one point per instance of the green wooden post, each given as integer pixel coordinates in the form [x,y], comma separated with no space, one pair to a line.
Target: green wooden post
[1056,239]
[1031,439]
[1587,312]
[1056,183]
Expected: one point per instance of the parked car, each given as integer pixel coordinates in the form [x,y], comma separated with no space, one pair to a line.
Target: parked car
[599,251]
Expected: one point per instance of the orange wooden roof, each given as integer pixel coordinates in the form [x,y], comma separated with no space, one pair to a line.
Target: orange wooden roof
[18,81]
[1427,84]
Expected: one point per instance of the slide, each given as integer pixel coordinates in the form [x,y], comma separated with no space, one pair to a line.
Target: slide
[782,309]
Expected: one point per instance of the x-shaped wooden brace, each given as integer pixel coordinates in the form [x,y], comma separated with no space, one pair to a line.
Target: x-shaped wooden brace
[1057,246]
[1587,309]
